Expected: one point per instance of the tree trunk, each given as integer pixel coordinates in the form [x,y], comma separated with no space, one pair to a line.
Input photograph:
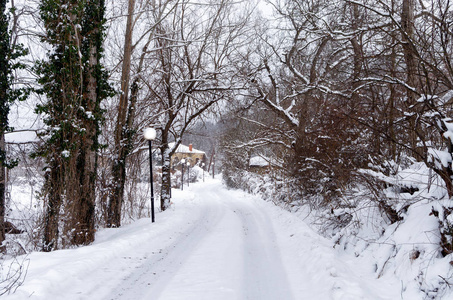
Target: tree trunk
[166,179]
[75,86]
[84,232]
[391,114]
[121,130]
[2,195]
[54,182]
[4,109]
[85,215]
[407,27]
[116,192]
[119,165]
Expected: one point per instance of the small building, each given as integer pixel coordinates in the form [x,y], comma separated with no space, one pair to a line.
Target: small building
[191,155]
[259,164]
[264,165]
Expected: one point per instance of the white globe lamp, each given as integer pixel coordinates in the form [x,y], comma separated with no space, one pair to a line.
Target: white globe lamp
[149,134]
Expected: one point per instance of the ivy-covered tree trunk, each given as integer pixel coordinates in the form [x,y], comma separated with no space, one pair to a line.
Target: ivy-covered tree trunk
[75,84]
[166,179]
[4,109]
[95,90]
[166,153]
[61,80]
[54,203]
[2,197]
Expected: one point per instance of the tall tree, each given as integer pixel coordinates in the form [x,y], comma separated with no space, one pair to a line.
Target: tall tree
[96,89]
[5,73]
[125,127]
[74,82]
[122,131]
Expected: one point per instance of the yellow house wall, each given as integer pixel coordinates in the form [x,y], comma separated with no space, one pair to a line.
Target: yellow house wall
[191,157]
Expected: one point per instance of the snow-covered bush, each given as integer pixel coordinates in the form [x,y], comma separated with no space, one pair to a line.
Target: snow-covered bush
[397,223]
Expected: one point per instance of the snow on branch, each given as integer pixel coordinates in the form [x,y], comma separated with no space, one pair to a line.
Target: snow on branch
[281,111]
[440,158]
[259,142]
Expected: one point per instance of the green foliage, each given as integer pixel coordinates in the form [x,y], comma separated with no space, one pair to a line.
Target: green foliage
[71,30]
[74,83]
[93,31]
[8,56]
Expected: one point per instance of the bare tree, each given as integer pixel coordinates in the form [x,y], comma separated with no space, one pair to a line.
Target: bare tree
[308,77]
[126,127]
[191,62]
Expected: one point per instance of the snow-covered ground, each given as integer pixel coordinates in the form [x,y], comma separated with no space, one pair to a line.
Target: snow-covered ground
[212,244]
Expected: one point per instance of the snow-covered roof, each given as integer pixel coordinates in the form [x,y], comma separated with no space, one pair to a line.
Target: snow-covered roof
[185,149]
[258,161]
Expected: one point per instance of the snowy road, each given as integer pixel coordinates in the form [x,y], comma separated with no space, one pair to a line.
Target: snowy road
[213,244]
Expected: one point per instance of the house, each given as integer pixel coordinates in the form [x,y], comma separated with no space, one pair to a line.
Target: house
[191,155]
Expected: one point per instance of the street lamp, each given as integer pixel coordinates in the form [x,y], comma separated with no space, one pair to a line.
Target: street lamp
[213,166]
[150,135]
[183,161]
[188,172]
[202,166]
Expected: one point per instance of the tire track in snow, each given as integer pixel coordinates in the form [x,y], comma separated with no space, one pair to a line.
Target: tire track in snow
[238,259]
[264,274]
[150,278]
[214,269]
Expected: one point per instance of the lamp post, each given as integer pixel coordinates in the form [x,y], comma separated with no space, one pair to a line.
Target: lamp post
[183,161]
[202,166]
[150,135]
[213,166]
[188,172]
